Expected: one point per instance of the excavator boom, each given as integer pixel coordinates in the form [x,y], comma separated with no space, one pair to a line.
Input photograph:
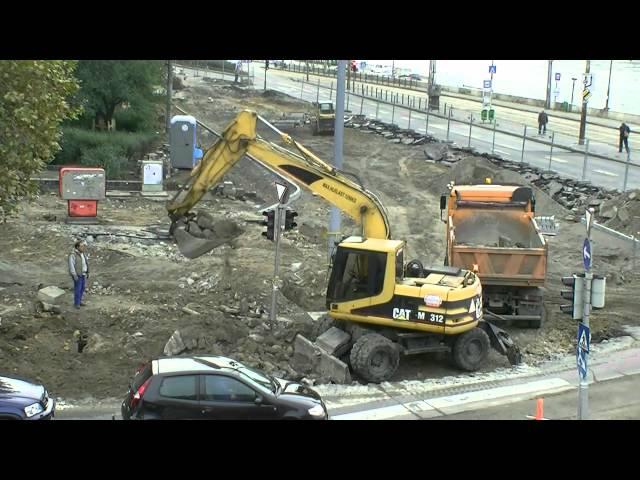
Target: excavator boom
[303,168]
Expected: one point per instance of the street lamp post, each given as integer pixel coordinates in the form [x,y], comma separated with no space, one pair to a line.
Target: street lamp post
[572,88]
[606,107]
[583,114]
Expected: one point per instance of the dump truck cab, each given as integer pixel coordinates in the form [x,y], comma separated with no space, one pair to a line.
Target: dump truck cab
[491,230]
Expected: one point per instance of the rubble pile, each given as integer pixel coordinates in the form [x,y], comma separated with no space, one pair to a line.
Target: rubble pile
[389,131]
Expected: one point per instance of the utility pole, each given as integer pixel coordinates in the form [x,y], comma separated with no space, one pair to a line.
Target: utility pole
[573,86]
[490,91]
[432,73]
[348,67]
[583,115]
[549,73]
[307,63]
[169,93]
[334,214]
[266,67]
[606,107]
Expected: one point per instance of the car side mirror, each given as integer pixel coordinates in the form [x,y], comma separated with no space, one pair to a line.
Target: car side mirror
[258,400]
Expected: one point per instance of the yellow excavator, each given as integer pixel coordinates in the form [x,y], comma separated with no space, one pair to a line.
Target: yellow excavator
[379,307]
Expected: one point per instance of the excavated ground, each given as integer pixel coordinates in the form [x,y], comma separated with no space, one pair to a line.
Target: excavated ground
[142,291]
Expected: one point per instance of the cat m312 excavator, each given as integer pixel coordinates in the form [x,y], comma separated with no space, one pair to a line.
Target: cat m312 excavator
[379,307]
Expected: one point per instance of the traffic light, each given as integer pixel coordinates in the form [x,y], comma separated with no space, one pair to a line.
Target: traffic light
[576,295]
[289,217]
[270,223]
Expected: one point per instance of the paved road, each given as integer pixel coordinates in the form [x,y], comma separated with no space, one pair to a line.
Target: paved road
[601,172]
[616,399]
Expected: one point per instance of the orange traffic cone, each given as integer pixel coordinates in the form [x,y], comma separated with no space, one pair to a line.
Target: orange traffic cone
[539,410]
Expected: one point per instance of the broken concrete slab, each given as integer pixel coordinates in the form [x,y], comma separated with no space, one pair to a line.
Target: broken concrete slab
[175,345]
[50,295]
[608,210]
[308,357]
[623,215]
[334,341]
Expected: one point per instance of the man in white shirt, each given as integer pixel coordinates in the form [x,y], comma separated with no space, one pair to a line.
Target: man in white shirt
[79,271]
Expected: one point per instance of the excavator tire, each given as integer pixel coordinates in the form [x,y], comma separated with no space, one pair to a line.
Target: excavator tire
[374,358]
[471,349]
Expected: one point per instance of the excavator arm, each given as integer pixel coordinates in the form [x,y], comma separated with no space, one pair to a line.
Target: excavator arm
[301,167]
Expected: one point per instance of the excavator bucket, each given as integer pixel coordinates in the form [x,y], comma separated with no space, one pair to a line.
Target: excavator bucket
[199,235]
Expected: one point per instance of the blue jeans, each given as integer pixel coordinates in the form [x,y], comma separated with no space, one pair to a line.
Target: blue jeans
[78,290]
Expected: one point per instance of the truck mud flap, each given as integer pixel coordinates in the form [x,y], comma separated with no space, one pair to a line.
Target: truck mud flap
[502,342]
[310,357]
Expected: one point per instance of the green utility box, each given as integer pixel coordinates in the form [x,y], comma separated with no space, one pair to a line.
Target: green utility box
[492,115]
[483,115]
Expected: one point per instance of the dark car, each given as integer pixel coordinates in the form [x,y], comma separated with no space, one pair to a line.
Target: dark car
[21,399]
[216,388]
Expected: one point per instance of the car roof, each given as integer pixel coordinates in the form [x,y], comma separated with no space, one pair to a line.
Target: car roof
[197,363]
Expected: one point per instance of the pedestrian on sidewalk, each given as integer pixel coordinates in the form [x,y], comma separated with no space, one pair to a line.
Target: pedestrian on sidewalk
[79,271]
[624,137]
[543,119]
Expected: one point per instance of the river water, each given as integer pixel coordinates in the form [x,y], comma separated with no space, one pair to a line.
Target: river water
[528,78]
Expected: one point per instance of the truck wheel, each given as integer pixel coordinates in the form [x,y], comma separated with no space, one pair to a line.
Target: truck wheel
[374,358]
[471,349]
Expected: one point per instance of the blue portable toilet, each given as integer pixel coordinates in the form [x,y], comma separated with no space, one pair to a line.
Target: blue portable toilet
[182,142]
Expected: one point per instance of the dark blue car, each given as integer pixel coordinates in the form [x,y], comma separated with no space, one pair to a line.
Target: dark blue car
[21,399]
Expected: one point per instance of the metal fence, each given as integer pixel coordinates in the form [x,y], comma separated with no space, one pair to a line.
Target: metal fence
[552,151]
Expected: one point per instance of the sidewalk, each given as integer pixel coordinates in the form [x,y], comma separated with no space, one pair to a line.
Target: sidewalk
[429,399]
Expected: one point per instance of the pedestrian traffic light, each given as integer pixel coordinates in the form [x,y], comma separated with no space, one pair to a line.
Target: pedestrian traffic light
[289,217]
[270,223]
[576,295]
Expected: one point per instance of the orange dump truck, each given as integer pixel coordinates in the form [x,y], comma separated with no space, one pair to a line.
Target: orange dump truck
[491,230]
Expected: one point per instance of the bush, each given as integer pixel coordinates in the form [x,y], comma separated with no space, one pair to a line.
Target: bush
[110,150]
[135,120]
[109,157]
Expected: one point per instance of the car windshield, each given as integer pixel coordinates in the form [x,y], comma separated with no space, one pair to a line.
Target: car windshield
[326,107]
[258,377]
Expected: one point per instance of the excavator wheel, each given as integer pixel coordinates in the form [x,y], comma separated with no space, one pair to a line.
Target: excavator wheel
[374,358]
[471,349]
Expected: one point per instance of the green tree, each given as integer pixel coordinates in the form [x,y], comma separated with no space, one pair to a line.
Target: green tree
[33,103]
[108,84]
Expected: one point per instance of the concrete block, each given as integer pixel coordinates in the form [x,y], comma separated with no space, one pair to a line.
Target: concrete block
[50,295]
[309,357]
[333,341]
[175,345]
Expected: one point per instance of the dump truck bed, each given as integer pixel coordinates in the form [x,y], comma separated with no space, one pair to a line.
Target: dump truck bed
[505,246]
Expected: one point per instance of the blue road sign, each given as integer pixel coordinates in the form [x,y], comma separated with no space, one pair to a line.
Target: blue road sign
[487,83]
[557,77]
[582,364]
[584,337]
[492,69]
[582,350]
[586,254]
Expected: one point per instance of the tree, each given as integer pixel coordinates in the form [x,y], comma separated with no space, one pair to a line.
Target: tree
[33,103]
[108,84]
